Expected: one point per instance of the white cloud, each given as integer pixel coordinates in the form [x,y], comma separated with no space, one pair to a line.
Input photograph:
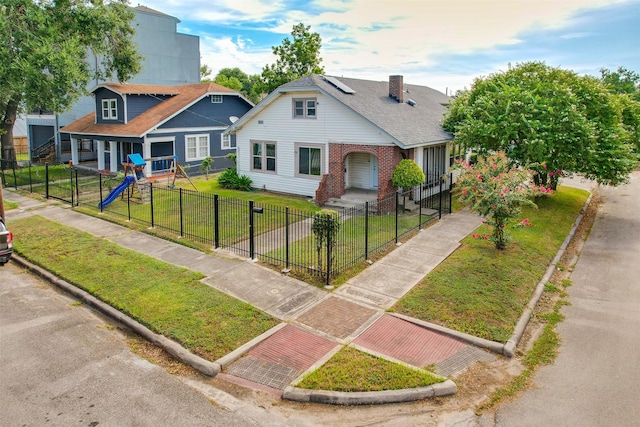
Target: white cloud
[364,38]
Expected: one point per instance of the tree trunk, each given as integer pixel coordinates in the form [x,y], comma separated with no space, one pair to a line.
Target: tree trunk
[8,119]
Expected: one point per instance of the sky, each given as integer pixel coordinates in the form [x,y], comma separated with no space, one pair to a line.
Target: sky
[443,44]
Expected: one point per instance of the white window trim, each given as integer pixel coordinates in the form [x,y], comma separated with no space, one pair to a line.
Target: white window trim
[305,107]
[222,142]
[197,138]
[299,145]
[264,156]
[216,99]
[111,109]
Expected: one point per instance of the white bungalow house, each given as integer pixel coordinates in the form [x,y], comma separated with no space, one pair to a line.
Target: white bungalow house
[320,136]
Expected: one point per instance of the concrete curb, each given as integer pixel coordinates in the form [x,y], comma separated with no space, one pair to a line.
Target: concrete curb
[179,352]
[512,343]
[445,388]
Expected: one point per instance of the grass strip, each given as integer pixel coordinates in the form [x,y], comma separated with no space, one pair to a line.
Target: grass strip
[543,352]
[352,370]
[167,299]
[482,291]
[9,205]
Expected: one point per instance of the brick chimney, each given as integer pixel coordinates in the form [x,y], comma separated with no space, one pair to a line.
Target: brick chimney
[396,88]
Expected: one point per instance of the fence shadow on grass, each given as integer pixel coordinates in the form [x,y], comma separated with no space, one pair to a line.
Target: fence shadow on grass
[279,236]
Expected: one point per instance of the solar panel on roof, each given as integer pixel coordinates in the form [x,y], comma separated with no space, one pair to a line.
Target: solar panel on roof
[337,83]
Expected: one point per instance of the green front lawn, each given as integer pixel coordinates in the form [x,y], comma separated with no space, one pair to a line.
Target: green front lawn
[483,291]
[167,299]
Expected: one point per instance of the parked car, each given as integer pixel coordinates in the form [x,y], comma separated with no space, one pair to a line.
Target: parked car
[6,243]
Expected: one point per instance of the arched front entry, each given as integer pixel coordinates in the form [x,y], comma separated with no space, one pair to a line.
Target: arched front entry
[361,171]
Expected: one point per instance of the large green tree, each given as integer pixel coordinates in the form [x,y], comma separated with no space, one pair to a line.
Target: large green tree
[44,53]
[235,78]
[547,118]
[296,57]
[621,81]
[625,85]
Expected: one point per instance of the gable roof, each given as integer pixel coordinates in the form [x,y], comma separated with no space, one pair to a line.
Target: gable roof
[181,98]
[408,125]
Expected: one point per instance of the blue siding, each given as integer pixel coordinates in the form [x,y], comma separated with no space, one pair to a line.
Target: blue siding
[104,93]
[138,104]
[205,113]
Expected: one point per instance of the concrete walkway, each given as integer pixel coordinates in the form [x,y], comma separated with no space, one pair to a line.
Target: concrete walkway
[352,308]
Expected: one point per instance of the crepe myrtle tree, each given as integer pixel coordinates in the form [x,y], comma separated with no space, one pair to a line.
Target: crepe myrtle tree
[497,190]
[549,119]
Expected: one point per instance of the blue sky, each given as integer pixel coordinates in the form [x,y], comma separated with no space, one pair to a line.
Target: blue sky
[443,44]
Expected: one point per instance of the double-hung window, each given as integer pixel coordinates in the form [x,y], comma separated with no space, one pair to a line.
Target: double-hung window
[263,156]
[109,109]
[304,108]
[225,141]
[309,160]
[197,147]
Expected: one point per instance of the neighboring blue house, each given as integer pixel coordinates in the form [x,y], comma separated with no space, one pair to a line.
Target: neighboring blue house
[159,121]
[169,58]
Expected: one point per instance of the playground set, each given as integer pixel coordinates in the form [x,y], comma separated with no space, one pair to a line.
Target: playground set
[134,177]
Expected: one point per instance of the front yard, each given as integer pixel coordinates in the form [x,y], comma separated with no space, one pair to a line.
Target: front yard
[482,291]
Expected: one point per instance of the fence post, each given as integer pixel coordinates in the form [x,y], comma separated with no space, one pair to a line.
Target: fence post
[15,178]
[450,195]
[153,222]
[30,179]
[77,189]
[101,199]
[181,216]
[420,207]
[71,186]
[46,181]
[128,190]
[252,248]
[397,203]
[329,243]
[286,234]
[216,221]
[366,230]
[440,200]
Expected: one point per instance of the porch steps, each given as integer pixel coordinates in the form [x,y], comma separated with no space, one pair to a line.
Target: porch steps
[340,204]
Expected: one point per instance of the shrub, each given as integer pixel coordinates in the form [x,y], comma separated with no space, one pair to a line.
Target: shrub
[407,174]
[206,166]
[231,180]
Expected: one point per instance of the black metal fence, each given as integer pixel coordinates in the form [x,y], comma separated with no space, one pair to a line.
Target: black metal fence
[280,236]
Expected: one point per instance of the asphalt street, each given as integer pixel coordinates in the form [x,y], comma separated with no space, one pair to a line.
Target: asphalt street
[595,380]
[62,365]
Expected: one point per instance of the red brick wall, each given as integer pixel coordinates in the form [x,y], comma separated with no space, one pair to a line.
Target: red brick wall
[396,88]
[332,185]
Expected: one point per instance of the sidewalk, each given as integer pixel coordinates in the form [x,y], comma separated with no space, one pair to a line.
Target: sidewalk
[317,322]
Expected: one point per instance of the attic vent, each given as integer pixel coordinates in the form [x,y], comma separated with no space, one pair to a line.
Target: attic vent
[411,102]
[337,83]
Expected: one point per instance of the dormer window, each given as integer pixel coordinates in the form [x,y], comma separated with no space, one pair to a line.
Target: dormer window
[216,99]
[304,108]
[109,109]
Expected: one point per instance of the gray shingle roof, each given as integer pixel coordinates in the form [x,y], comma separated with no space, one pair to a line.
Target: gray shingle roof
[410,125]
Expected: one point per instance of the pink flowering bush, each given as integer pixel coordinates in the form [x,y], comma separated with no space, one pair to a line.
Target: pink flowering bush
[497,192]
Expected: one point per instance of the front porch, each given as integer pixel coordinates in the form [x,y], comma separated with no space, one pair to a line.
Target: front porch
[352,197]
